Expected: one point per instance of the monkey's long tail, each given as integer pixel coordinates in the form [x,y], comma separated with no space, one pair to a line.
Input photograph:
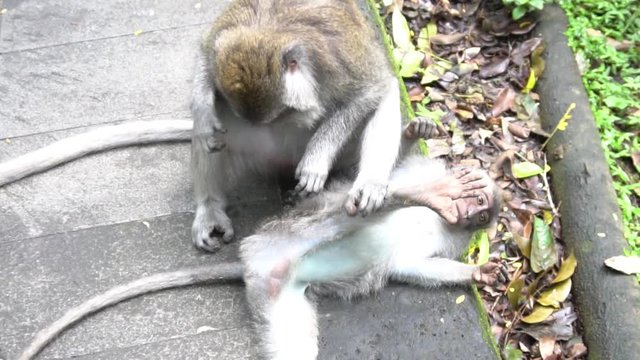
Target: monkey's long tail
[157,282]
[100,139]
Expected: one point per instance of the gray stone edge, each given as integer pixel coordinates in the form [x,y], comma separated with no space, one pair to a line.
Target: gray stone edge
[608,303]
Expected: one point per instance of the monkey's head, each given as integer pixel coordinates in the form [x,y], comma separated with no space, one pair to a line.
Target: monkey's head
[262,75]
[479,209]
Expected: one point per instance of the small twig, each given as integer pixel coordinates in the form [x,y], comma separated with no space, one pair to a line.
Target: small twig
[548,189]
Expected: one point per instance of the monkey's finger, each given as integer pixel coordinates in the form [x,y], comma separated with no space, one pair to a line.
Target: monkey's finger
[372,205]
[410,130]
[353,200]
[475,185]
[225,231]
[422,128]
[351,206]
[441,130]
[379,201]
[365,197]
[214,145]
[471,175]
[302,184]
[460,172]
[218,128]
[449,217]
[318,182]
[470,193]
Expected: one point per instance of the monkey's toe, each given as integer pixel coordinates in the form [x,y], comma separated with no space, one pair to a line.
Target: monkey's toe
[488,274]
[207,243]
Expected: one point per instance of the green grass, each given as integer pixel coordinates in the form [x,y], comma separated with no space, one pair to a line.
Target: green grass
[612,80]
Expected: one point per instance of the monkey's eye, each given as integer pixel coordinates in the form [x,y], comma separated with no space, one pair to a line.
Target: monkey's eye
[484,218]
[480,200]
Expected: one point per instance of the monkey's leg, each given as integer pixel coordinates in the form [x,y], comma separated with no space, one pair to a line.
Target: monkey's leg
[286,319]
[292,326]
[378,153]
[332,134]
[211,223]
[431,271]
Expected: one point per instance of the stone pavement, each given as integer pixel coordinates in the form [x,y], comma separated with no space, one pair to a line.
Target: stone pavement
[67,66]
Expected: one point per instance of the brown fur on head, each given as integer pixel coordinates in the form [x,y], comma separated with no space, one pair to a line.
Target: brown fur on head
[250,66]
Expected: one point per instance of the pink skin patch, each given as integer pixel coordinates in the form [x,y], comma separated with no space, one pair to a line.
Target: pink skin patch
[276,278]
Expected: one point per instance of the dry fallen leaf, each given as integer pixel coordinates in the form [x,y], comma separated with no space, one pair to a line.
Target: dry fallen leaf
[556,294]
[625,264]
[547,344]
[539,314]
[567,269]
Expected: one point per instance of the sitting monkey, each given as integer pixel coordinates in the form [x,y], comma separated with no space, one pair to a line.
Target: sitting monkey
[315,247]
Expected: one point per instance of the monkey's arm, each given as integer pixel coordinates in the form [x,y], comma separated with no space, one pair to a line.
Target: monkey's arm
[206,124]
[325,144]
[100,139]
[206,165]
[201,275]
[378,154]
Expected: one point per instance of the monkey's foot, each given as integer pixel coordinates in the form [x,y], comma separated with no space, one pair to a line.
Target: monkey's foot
[365,199]
[210,227]
[488,274]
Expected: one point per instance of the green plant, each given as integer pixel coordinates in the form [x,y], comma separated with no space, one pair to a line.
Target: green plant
[604,36]
[522,7]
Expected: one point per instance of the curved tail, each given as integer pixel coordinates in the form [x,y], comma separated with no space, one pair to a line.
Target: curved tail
[201,275]
[100,139]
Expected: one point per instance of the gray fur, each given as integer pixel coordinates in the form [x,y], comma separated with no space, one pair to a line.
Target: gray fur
[236,85]
[326,252]
[203,275]
[99,139]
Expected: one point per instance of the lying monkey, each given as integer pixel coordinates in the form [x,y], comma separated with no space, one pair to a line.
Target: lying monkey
[315,248]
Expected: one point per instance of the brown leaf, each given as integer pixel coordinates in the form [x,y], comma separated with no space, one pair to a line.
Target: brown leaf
[547,344]
[447,39]
[625,264]
[577,350]
[438,147]
[539,314]
[416,93]
[495,68]
[504,101]
[523,27]
[525,49]
[635,158]
[519,131]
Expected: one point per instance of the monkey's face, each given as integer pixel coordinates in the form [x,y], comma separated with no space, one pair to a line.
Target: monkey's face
[479,210]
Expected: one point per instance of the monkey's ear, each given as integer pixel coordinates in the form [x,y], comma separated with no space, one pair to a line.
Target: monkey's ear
[292,56]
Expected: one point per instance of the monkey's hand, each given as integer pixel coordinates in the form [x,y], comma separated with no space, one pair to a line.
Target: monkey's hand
[210,226]
[365,198]
[212,140]
[488,274]
[311,176]
[423,128]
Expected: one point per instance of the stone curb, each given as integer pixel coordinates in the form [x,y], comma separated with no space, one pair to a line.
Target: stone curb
[608,303]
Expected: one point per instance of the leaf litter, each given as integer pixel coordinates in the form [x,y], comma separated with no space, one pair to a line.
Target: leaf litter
[472,69]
